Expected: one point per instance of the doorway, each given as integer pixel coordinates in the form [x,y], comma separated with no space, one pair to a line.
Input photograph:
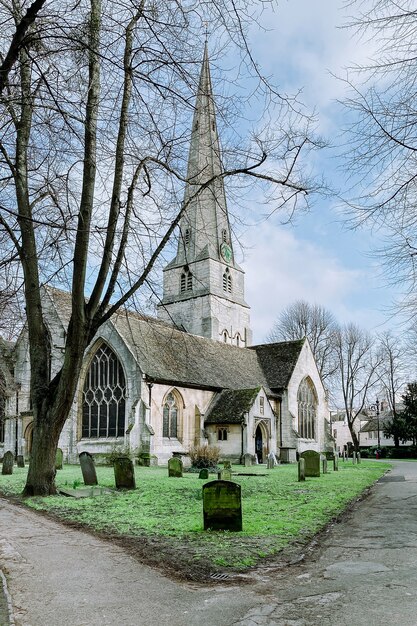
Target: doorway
[259,444]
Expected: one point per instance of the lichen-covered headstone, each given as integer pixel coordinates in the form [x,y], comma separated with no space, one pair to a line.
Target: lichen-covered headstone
[20,460]
[8,461]
[88,469]
[59,459]
[227,465]
[336,463]
[222,505]
[324,465]
[175,467]
[124,474]
[312,463]
[247,460]
[301,470]
[225,474]
[204,473]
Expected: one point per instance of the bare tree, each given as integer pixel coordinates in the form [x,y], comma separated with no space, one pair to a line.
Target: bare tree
[358,361]
[382,138]
[302,319]
[93,149]
[392,374]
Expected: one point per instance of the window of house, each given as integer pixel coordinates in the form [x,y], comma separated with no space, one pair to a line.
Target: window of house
[104,396]
[222,434]
[307,409]
[170,417]
[227,281]
[262,405]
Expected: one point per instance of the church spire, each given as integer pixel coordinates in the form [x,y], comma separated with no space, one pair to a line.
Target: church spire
[205,224]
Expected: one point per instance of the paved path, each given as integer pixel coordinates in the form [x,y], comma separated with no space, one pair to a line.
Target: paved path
[364,572]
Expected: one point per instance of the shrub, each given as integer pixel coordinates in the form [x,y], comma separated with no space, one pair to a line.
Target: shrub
[204,456]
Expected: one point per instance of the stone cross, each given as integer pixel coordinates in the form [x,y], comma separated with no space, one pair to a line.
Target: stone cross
[59,459]
[175,467]
[88,469]
[301,470]
[222,505]
[8,462]
[312,462]
[124,474]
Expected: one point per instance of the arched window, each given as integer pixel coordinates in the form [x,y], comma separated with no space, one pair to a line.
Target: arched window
[104,396]
[222,434]
[186,281]
[224,235]
[225,336]
[307,409]
[187,235]
[170,417]
[227,281]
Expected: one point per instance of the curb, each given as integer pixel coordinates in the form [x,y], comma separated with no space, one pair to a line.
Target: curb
[8,599]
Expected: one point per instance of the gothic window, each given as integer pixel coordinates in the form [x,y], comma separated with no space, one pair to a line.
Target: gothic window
[307,409]
[222,434]
[227,281]
[225,336]
[186,281]
[187,235]
[238,340]
[104,396]
[170,417]
[262,405]
[224,235]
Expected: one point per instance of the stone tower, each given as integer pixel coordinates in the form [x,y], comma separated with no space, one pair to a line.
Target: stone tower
[203,285]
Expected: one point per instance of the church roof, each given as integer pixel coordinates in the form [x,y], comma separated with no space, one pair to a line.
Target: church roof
[278,360]
[230,405]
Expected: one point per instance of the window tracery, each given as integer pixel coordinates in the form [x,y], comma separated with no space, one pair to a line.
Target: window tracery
[170,417]
[307,409]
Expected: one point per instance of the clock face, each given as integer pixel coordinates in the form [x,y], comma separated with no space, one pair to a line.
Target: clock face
[226,252]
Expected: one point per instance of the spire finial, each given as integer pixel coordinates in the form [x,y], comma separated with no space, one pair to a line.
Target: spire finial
[205,24]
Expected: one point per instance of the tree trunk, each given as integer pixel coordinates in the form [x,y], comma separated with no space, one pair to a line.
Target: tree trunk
[354,436]
[41,475]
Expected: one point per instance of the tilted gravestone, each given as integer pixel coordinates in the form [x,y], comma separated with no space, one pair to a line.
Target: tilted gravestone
[336,463]
[59,459]
[124,473]
[8,461]
[175,467]
[88,469]
[301,470]
[324,465]
[247,460]
[225,474]
[20,460]
[312,463]
[204,473]
[222,505]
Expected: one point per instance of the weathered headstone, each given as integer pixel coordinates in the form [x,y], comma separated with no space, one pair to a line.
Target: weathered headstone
[124,474]
[301,470]
[324,465]
[247,460]
[8,461]
[312,463]
[59,459]
[204,473]
[270,463]
[353,458]
[225,474]
[175,467]
[336,463]
[222,505]
[20,460]
[358,457]
[227,465]
[88,469]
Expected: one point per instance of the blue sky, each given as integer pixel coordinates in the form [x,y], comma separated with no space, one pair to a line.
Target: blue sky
[318,259]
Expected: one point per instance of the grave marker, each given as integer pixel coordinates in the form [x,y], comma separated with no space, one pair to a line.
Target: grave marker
[312,463]
[124,474]
[247,460]
[175,467]
[301,470]
[353,458]
[225,474]
[204,473]
[358,457]
[20,460]
[88,469]
[335,463]
[8,462]
[222,505]
[324,465]
[59,459]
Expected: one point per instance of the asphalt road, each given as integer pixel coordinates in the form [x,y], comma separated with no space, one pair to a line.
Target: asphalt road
[362,572]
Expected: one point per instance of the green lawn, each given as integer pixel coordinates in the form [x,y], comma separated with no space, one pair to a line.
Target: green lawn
[277,509]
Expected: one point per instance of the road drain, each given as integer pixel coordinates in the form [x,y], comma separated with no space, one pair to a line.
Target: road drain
[220,576]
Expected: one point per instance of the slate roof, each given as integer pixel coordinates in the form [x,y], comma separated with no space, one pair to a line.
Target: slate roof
[278,360]
[168,355]
[230,405]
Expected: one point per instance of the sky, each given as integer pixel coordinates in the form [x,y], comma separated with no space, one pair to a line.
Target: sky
[319,259]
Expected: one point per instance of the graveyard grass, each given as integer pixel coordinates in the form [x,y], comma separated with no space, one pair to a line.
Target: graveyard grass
[161,521]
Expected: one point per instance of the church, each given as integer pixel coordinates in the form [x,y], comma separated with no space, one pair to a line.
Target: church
[191,376]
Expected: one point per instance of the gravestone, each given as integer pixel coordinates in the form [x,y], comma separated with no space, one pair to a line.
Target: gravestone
[335,463]
[353,458]
[124,474]
[270,463]
[204,473]
[312,463]
[175,467]
[88,469]
[59,459]
[20,460]
[222,505]
[324,465]
[225,474]
[8,461]
[358,457]
[301,470]
[227,465]
[247,460]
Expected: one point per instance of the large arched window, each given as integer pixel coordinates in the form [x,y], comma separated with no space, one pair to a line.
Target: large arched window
[307,409]
[104,396]
[170,416]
